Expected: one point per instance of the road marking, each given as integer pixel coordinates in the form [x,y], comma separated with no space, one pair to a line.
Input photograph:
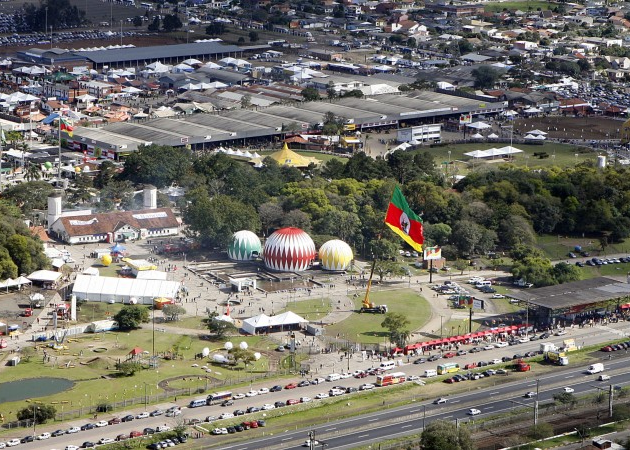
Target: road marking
[414,410]
[569,376]
[373,420]
[287,439]
[447,417]
[406,426]
[489,407]
[493,393]
[455,401]
[364,435]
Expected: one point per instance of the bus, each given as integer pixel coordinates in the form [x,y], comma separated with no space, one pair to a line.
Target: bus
[391,378]
[218,397]
[447,368]
[198,402]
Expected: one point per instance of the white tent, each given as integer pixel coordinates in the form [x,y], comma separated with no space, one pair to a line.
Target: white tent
[537,133]
[45,276]
[103,289]
[532,110]
[492,136]
[281,322]
[478,125]
[493,152]
[477,136]
[191,61]
[92,271]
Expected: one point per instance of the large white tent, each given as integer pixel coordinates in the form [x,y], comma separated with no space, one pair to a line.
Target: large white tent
[104,289]
[282,322]
[494,152]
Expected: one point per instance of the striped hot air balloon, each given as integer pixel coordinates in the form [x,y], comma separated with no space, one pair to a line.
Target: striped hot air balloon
[289,250]
[335,255]
[244,246]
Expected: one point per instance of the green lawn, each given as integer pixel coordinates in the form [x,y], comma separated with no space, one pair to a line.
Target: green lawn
[461,164]
[311,309]
[558,247]
[366,328]
[91,388]
[522,5]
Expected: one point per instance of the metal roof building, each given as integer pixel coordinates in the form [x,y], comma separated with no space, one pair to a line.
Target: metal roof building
[199,130]
[167,54]
[577,297]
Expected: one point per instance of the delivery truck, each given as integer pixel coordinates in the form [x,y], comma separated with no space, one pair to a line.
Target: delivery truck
[595,368]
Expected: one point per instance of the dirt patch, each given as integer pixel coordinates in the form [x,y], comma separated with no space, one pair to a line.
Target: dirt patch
[559,127]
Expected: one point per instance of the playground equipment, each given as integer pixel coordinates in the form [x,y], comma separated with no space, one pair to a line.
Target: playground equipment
[367,306]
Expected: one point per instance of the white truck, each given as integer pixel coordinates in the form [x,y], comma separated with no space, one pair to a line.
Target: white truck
[547,347]
[595,368]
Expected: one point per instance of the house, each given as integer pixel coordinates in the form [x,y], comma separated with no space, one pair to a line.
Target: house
[85,227]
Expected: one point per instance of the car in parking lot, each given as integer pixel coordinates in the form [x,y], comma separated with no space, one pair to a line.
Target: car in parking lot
[218,431]
[497,296]
[488,347]
[276,388]
[155,413]
[251,393]
[318,380]
[473,412]
[501,344]
[128,418]
[238,396]
[253,409]
[105,440]
[226,416]
[366,387]
[305,399]
[73,430]
[88,444]
[227,402]
[322,395]
[291,386]
[148,431]
[292,401]
[304,383]
[112,421]
[58,433]
[13,442]
[135,434]
[88,426]
[263,391]
[450,355]
[142,415]
[420,361]
[43,436]
[101,423]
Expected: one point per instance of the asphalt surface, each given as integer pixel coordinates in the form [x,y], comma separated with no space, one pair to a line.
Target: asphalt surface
[353,432]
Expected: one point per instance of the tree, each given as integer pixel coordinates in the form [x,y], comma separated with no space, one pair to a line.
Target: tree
[485,77]
[246,356]
[565,398]
[137,21]
[105,175]
[41,412]
[172,312]
[384,267]
[440,435]
[218,328]
[154,26]
[171,23]
[310,94]
[159,165]
[29,196]
[128,368]
[246,101]
[253,36]
[215,29]
[33,172]
[131,316]
[213,220]
[396,324]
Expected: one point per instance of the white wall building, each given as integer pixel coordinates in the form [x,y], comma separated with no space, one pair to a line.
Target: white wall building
[420,134]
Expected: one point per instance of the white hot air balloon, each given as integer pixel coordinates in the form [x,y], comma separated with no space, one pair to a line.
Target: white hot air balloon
[243,345]
[228,346]
[205,352]
[221,359]
[257,356]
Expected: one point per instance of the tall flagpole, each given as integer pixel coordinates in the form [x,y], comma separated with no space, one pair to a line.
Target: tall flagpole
[59,152]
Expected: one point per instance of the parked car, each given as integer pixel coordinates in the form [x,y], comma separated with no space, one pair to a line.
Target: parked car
[291,386]
[112,421]
[73,430]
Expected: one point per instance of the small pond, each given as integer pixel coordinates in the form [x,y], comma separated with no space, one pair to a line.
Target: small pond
[32,388]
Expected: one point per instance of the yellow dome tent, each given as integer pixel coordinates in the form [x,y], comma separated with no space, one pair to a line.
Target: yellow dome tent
[287,157]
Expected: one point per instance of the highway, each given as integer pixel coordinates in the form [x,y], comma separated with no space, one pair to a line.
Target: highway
[369,428]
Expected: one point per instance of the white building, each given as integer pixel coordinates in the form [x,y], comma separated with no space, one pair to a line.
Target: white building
[419,134]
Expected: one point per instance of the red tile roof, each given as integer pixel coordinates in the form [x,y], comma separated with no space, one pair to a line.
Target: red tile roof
[97,224]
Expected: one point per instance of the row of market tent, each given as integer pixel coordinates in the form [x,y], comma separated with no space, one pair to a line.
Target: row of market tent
[465,338]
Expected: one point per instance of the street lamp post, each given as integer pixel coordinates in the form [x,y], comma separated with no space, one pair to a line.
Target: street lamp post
[35,408]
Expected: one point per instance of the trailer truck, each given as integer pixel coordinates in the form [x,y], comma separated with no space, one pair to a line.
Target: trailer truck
[558,358]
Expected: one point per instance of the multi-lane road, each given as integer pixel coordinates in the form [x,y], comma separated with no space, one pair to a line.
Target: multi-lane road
[387,423]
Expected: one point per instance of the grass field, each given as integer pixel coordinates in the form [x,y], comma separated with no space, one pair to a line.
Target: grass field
[312,309]
[366,328]
[558,247]
[521,5]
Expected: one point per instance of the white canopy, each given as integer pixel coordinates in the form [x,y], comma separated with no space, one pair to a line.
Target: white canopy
[93,271]
[532,110]
[284,320]
[86,98]
[493,152]
[44,275]
[477,136]
[537,133]
[102,289]
[479,125]
[492,136]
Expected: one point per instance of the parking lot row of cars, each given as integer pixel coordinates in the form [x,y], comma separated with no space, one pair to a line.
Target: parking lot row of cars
[615,347]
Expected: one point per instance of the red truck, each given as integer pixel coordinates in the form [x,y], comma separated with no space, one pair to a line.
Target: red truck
[522,366]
